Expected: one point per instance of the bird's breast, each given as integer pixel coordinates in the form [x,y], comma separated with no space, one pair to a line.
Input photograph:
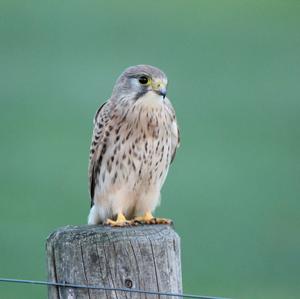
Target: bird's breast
[149,116]
[141,149]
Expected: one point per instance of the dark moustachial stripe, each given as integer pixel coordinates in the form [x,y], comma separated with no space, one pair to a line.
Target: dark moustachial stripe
[139,95]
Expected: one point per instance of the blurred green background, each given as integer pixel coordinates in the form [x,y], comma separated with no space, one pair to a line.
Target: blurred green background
[233,191]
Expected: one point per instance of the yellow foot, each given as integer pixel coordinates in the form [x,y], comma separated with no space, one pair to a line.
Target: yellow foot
[149,219]
[120,222]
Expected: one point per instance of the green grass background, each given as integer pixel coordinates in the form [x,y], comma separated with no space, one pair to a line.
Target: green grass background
[234,189]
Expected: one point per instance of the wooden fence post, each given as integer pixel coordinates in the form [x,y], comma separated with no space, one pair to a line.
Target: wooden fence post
[140,257]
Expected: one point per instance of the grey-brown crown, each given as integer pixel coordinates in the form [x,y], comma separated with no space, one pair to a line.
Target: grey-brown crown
[144,69]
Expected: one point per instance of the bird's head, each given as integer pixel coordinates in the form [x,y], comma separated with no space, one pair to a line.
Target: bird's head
[136,81]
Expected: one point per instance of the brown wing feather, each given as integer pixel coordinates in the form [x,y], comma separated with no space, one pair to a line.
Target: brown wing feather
[175,135]
[176,143]
[97,148]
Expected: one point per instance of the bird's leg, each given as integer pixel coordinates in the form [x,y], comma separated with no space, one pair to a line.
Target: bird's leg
[148,218]
[121,221]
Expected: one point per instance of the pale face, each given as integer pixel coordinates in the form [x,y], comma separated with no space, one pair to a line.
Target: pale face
[144,83]
[137,81]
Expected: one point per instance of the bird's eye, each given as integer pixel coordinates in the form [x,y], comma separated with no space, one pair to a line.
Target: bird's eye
[143,80]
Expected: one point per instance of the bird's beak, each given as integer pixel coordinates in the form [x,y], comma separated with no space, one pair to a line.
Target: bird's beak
[160,88]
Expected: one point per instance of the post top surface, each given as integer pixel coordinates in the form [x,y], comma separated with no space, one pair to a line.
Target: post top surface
[103,234]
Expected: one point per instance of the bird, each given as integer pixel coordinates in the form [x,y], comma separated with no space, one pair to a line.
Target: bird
[134,141]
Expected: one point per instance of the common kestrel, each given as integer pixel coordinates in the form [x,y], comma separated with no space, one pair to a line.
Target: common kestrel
[134,141]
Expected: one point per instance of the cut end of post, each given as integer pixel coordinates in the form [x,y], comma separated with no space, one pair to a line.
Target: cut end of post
[144,257]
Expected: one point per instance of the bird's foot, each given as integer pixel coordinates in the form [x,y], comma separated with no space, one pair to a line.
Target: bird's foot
[120,222]
[149,219]
[162,221]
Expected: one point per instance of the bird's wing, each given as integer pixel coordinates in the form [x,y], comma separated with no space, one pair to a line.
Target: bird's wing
[98,146]
[175,135]
[175,138]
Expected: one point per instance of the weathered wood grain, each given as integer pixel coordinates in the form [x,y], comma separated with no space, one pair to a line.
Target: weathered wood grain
[141,257]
